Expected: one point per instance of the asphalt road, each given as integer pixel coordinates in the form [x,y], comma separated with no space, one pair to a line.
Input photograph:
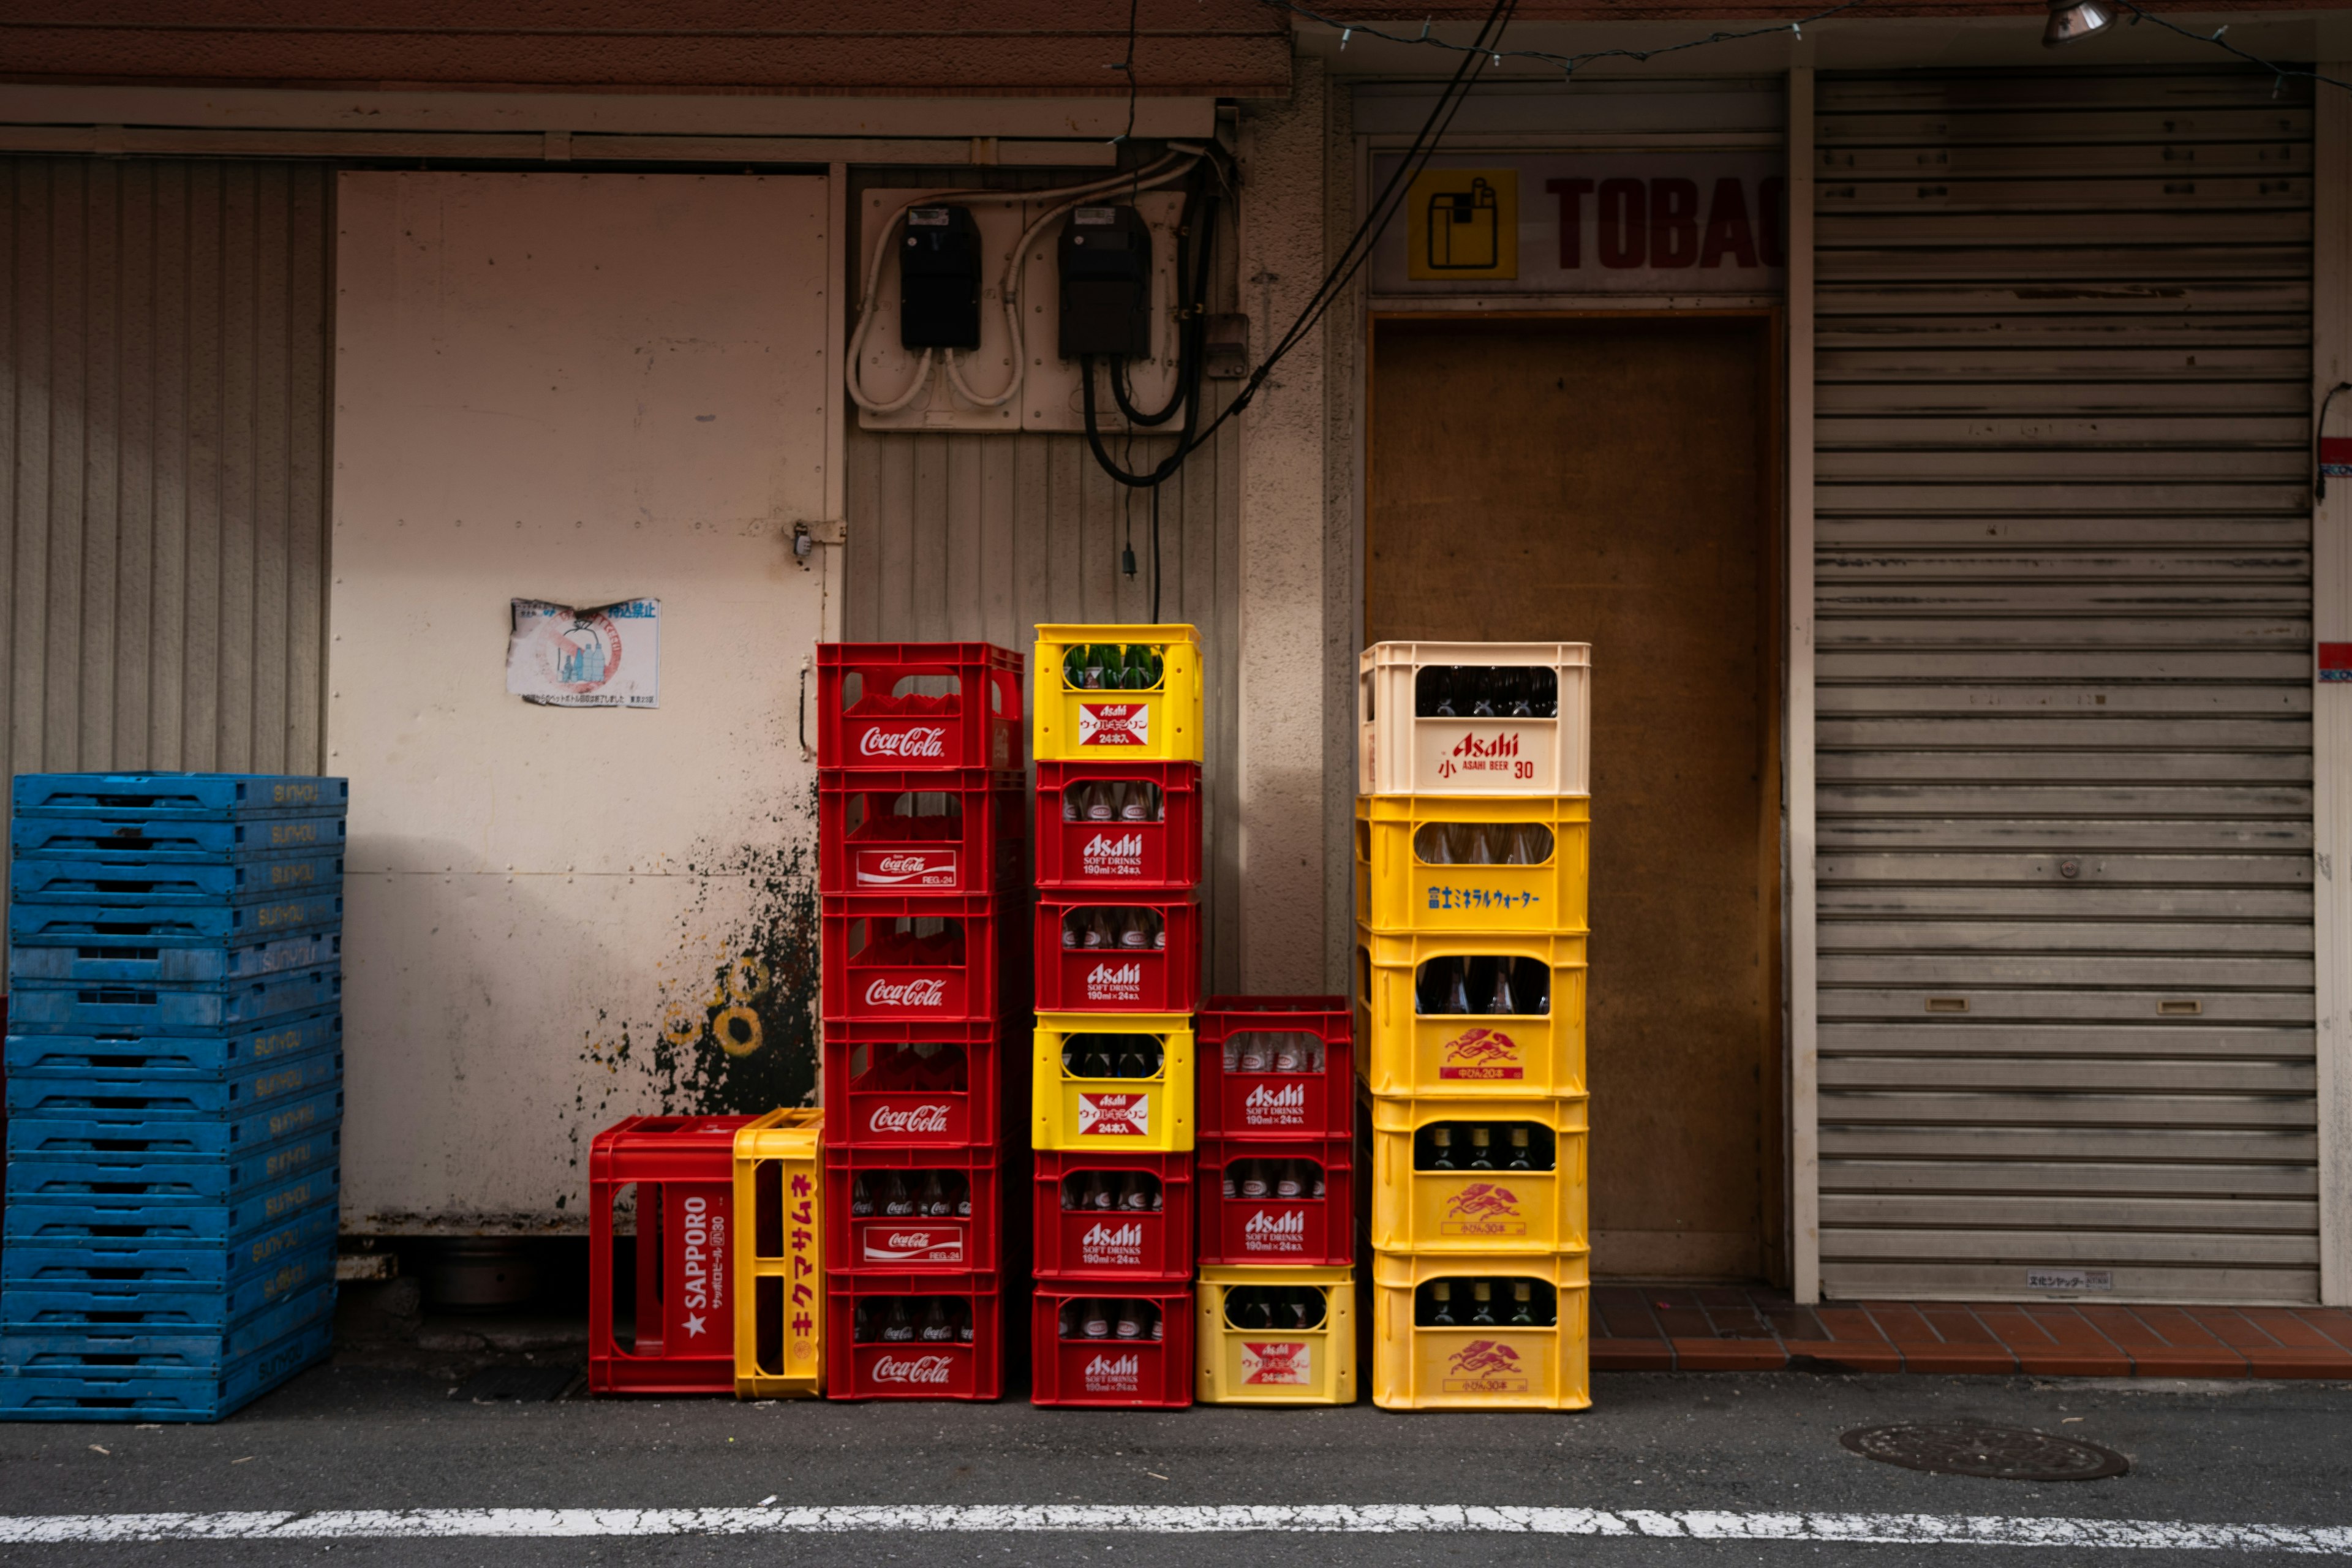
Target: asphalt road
[363,1435]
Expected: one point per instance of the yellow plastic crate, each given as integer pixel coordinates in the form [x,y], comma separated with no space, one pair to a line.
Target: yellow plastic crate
[1398,752]
[1417,1209]
[779,1257]
[1158,723]
[1400,889]
[1400,1051]
[1125,1115]
[1282,1364]
[1477,1366]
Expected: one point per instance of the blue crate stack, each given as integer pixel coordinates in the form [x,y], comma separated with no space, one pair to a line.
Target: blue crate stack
[175,1100]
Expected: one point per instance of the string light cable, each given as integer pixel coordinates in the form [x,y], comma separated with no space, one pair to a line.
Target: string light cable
[2279,72]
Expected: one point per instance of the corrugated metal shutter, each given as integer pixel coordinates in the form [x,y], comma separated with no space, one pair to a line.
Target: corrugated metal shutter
[2065,700]
[165,442]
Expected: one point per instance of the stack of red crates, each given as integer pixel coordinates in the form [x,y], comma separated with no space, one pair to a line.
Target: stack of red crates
[1112,1317]
[1277,1101]
[922,831]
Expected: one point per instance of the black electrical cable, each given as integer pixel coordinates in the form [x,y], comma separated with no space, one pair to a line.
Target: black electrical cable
[1192,310]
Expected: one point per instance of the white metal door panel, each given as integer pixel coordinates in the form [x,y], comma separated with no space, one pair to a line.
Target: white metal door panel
[2063,590]
[581,388]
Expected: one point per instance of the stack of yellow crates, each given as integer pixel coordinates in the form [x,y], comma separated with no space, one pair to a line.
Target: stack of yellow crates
[1472,836]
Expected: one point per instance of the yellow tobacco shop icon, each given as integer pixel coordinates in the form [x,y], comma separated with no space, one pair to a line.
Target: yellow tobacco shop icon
[1463,223]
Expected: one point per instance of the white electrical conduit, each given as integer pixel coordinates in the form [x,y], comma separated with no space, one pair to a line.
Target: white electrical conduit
[1173,166]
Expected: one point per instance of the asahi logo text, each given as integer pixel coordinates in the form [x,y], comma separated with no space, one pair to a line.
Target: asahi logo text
[914,741]
[1114,724]
[908,1120]
[1266,1232]
[1106,1236]
[1113,1374]
[1112,855]
[929,1370]
[1115,1115]
[1287,1363]
[1267,1106]
[907,993]
[1115,982]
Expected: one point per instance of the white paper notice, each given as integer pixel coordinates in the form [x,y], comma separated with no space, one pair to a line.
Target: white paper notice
[605,656]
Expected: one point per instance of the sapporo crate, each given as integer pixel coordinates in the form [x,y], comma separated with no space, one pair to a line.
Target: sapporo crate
[677,1174]
[1158,977]
[1472,1366]
[1473,863]
[962,1366]
[1161,722]
[1257,1096]
[1482,1204]
[969,1237]
[1472,754]
[893,706]
[1078,1238]
[1254,1347]
[940,831]
[1140,1372]
[779,1255]
[913,1084]
[1070,1110]
[1270,1225]
[1405,1051]
[1119,826]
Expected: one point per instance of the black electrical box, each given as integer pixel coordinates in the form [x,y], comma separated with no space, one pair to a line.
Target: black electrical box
[1106,256]
[939,279]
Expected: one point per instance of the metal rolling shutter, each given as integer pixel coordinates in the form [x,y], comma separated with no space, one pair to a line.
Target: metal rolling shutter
[2065,700]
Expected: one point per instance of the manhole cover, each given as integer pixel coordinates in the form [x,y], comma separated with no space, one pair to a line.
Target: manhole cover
[2000,1452]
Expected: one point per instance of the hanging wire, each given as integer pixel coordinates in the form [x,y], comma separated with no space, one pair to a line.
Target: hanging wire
[1127,65]
[2279,73]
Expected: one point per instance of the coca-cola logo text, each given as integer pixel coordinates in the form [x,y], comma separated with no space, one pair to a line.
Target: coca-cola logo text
[914,741]
[908,1120]
[930,1370]
[907,993]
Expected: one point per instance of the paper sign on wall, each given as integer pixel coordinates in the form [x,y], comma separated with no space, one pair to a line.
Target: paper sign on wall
[608,656]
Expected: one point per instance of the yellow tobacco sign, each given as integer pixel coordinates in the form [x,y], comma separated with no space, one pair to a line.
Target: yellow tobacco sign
[1462,224]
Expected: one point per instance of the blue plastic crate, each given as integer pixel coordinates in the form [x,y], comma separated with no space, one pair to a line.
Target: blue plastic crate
[184,960]
[55,1138]
[161,1176]
[37,879]
[149,1395]
[48,1092]
[184,797]
[69,1222]
[159,841]
[29,1309]
[177,924]
[168,1057]
[145,1264]
[48,1007]
[71,1348]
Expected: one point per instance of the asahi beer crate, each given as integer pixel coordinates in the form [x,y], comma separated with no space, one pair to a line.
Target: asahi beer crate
[1117,953]
[778,1256]
[1471,863]
[1120,826]
[943,831]
[896,706]
[1474,718]
[1431,1019]
[677,1175]
[1111,1345]
[1479,1175]
[1267,1201]
[1113,1217]
[936,959]
[914,1084]
[914,1336]
[1118,693]
[1439,1345]
[913,1210]
[1276,1336]
[1276,1066]
[1110,1082]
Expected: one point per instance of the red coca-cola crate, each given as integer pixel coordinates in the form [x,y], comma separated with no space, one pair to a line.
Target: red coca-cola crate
[1118,979]
[897,705]
[1246,1092]
[938,831]
[1121,1374]
[1301,1230]
[873,1368]
[1115,1243]
[893,959]
[682,1340]
[968,1238]
[898,1086]
[1160,850]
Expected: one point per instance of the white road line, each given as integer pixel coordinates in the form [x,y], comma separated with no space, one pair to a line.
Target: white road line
[1374,1518]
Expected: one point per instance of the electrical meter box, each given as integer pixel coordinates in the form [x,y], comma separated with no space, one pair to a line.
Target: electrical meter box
[939,279]
[1106,265]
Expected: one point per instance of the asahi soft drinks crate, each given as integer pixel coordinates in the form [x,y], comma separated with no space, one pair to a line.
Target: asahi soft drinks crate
[1117,953]
[1111,1082]
[1119,826]
[1277,1335]
[1102,1215]
[1276,1066]
[1111,1345]
[1278,1201]
[1474,719]
[889,707]
[1118,693]
[779,1255]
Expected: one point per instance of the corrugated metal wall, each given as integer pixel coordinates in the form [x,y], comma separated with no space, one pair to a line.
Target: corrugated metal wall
[163,440]
[2064,663]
